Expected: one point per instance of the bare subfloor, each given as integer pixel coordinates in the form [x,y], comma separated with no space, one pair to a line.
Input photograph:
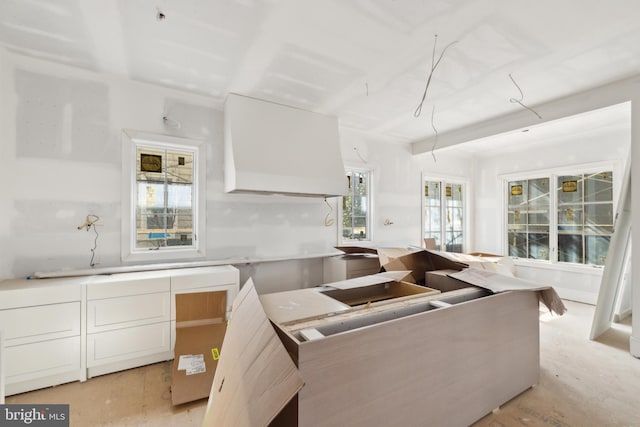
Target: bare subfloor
[582,383]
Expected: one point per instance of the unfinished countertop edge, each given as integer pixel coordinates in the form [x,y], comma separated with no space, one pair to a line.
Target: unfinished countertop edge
[172,265]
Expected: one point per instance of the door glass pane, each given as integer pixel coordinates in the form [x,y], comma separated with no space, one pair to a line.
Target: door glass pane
[355,207]
[432,208]
[454,220]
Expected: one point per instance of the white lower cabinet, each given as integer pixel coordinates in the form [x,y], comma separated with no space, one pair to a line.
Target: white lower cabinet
[41,364]
[127,321]
[43,324]
[68,329]
[127,348]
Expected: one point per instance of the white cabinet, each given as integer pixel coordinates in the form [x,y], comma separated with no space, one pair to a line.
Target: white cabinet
[131,316]
[43,333]
[1,365]
[68,329]
[127,321]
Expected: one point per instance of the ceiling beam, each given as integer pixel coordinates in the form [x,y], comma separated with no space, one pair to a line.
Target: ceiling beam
[581,102]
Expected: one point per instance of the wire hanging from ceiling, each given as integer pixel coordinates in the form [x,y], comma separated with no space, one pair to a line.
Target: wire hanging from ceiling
[519,101]
[434,65]
[360,155]
[435,139]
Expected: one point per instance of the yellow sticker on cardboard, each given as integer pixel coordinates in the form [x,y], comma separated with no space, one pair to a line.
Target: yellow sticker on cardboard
[215,353]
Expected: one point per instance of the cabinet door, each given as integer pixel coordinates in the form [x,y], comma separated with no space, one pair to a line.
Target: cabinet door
[117,313]
[41,359]
[127,344]
[45,322]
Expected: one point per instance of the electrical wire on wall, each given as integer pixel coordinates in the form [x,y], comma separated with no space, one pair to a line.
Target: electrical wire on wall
[89,223]
[434,65]
[328,221]
[519,101]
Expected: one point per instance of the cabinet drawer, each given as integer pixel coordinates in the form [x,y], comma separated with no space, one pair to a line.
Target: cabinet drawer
[204,277]
[35,293]
[41,359]
[124,312]
[117,287]
[232,291]
[126,344]
[44,322]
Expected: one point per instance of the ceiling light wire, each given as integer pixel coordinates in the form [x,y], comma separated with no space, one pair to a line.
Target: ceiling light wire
[359,155]
[434,65]
[519,101]
[435,140]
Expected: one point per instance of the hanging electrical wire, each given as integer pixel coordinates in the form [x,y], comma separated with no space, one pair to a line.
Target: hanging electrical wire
[359,155]
[328,222]
[435,139]
[89,223]
[519,101]
[434,65]
[95,245]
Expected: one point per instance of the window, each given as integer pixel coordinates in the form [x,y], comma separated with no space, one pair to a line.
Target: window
[443,213]
[572,213]
[165,208]
[356,221]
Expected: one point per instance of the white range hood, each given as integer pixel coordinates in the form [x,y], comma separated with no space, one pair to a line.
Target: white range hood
[273,148]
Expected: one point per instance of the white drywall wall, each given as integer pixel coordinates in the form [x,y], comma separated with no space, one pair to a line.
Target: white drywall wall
[61,151]
[601,145]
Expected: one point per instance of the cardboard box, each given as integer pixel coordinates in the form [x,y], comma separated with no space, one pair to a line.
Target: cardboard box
[200,330]
[418,262]
[439,279]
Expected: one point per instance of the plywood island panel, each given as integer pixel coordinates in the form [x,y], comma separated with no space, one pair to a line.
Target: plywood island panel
[442,359]
[444,367]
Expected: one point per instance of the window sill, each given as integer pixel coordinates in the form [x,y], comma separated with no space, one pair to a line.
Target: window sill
[162,255]
[546,265]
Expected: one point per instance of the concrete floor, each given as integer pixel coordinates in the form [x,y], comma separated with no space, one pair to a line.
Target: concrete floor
[582,383]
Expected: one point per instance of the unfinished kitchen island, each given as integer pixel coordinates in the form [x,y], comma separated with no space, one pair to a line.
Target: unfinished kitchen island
[422,359]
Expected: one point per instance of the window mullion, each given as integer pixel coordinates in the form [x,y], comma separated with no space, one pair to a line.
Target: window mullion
[553,218]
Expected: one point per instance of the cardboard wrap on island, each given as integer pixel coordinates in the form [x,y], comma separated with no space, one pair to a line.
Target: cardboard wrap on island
[496,282]
[200,330]
[418,261]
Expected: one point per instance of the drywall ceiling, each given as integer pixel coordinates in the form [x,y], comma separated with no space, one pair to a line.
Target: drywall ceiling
[365,61]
